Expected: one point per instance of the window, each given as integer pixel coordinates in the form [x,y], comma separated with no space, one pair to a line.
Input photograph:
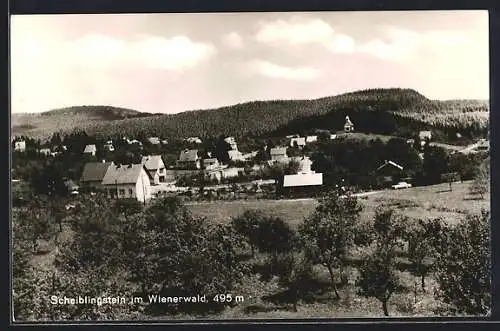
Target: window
[131,192]
[122,191]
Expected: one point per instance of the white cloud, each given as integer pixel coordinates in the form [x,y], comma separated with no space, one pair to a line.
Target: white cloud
[177,53]
[295,31]
[233,40]
[298,31]
[272,70]
[403,44]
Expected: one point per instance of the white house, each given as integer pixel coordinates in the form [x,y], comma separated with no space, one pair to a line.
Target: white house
[231,141]
[194,140]
[90,150]
[235,155]
[128,181]
[311,139]
[156,168]
[189,159]
[20,146]
[45,151]
[278,154]
[299,141]
[306,181]
[231,172]
[425,135]
[154,140]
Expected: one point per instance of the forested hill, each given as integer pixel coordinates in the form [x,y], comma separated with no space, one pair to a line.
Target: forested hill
[260,118]
[66,119]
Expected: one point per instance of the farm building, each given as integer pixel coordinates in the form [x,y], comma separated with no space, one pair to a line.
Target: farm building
[156,168]
[348,126]
[90,150]
[189,159]
[278,154]
[93,174]
[20,146]
[298,141]
[128,181]
[305,183]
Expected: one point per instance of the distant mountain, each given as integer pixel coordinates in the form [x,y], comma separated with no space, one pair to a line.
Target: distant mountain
[379,109]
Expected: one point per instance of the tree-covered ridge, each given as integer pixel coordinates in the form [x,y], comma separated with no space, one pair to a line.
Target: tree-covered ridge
[260,118]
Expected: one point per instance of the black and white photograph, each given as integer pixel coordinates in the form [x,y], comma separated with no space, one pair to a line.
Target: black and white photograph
[250,166]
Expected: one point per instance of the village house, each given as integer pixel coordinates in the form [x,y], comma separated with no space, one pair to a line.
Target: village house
[154,140]
[305,183]
[90,150]
[93,174]
[194,140]
[311,139]
[297,142]
[128,181]
[231,141]
[249,156]
[210,164]
[156,168]
[20,146]
[45,151]
[164,142]
[278,154]
[224,172]
[390,171]
[108,146]
[189,159]
[348,126]
[425,135]
[333,136]
[235,155]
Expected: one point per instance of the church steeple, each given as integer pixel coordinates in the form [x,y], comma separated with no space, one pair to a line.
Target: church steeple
[348,126]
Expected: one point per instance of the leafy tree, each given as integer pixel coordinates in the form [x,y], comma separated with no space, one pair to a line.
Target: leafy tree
[275,236]
[421,237]
[481,182]
[328,234]
[377,275]
[435,164]
[221,150]
[247,225]
[463,267]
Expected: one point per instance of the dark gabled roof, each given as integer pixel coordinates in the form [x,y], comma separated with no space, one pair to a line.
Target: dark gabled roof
[123,174]
[95,171]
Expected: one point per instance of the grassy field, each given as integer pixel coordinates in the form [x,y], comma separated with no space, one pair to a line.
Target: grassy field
[268,299]
[424,202]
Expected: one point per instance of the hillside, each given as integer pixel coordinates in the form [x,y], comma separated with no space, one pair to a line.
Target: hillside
[385,111]
[41,125]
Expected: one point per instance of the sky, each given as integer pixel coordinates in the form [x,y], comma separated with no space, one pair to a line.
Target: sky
[169,63]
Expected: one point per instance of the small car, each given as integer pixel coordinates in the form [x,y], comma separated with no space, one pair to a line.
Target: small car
[401,185]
